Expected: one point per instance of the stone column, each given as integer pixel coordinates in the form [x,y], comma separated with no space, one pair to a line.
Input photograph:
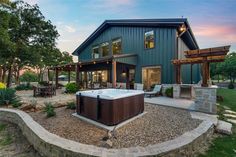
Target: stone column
[176,91]
[205,99]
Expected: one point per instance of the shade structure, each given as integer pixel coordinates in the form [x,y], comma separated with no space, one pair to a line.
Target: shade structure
[204,57]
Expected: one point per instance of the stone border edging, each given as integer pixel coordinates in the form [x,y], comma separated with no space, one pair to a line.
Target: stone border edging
[49,144]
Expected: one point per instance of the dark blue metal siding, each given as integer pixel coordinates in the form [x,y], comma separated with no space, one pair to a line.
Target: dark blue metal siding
[133,42]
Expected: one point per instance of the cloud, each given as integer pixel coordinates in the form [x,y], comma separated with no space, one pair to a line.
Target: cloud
[69,29]
[209,35]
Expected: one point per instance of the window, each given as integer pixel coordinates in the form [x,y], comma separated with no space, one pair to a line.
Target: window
[95,52]
[105,49]
[149,40]
[116,46]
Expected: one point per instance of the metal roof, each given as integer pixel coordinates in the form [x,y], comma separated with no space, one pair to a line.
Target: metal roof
[188,37]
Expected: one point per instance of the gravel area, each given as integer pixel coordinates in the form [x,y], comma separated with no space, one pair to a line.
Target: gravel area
[159,124]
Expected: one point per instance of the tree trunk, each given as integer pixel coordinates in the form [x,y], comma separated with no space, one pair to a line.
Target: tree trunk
[218,78]
[9,77]
[17,76]
[4,74]
[1,71]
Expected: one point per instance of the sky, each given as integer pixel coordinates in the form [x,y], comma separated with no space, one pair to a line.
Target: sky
[213,21]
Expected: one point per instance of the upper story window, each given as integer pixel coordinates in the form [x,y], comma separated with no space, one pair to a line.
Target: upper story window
[95,52]
[116,46]
[105,49]
[149,40]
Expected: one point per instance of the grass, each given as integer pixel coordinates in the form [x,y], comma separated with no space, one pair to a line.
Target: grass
[6,140]
[229,96]
[224,146]
[2,127]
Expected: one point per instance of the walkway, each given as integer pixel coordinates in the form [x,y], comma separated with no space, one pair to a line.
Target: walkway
[177,103]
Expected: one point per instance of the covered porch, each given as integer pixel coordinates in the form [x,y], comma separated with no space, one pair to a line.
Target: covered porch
[115,71]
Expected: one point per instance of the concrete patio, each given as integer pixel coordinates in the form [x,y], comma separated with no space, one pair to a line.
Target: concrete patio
[171,102]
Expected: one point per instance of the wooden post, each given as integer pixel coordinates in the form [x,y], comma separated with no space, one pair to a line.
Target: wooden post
[114,74]
[178,73]
[205,73]
[56,78]
[77,73]
[191,73]
[86,79]
[127,79]
[69,76]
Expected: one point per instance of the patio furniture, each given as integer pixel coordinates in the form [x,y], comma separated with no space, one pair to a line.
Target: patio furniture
[120,85]
[156,90]
[138,86]
[96,85]
[44,91]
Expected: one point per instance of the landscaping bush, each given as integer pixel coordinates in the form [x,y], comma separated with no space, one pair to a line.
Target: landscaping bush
[169,92]
[29,76]
[71,105]
[8,96]
[2,85]
[231,85]
[49,109]
[72,88]
[24,87]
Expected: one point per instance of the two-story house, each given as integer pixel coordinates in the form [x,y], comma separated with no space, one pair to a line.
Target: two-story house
[137,51]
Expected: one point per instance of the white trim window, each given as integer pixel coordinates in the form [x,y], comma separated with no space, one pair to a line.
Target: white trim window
[105,49]
[149,39]
[95,52]
[116,46]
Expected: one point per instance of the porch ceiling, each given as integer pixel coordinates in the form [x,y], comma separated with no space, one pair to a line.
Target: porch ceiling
[129,59]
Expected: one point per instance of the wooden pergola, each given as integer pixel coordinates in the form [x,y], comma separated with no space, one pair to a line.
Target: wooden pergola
[201,56]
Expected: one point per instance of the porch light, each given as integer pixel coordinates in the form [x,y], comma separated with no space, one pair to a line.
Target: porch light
[107,62]
[80,66]
[94,62]
[182,28]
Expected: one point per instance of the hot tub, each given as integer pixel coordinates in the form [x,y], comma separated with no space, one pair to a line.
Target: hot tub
[110,106]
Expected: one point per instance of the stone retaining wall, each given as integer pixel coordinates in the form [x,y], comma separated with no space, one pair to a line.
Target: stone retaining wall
[51,145]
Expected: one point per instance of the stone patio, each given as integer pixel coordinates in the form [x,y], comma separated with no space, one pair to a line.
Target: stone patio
[60,99]
[171,102]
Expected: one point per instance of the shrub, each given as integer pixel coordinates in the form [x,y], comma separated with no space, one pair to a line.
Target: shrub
[49,109]
[8,96]
[169,92]
[24,87]
[72,88]
[29,76]
[2,85]
[71,105]
[43,83]
[231,85]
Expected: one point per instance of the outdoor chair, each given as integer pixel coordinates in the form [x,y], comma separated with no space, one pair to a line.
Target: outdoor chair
[138,86]
[156,90]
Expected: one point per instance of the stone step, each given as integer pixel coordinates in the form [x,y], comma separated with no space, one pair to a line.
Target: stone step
[230,112]
[233,116]
[232,121]
[224,127]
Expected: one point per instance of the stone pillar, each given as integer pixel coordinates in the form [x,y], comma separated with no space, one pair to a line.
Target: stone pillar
[205,99]
[176,91]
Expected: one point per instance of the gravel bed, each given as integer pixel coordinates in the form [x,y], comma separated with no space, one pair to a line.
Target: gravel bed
[159,124]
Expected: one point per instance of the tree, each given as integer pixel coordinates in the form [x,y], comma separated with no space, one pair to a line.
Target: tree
[226,68]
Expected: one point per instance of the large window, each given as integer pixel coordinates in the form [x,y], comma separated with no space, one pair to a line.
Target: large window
[105,49]
[116,46]
[149,40]
[95,52]
[151,76]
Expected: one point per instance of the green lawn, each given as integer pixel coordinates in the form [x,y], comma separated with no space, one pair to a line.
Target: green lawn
[224,146]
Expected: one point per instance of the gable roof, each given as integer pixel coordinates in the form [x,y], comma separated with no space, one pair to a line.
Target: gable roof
[188,36]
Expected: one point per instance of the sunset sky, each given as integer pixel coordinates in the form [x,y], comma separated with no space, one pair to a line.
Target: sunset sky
[213,21]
